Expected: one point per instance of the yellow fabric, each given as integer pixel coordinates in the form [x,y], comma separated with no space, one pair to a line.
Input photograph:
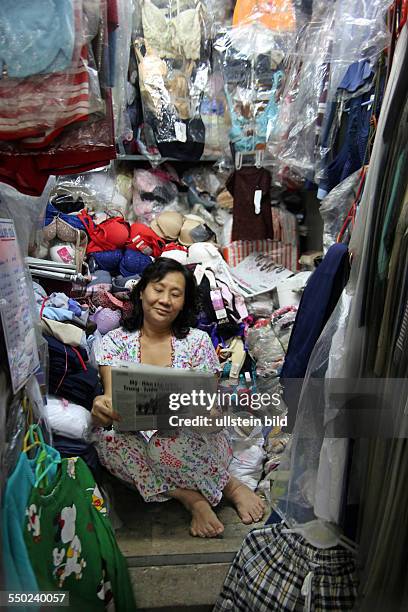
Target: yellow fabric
[274,14]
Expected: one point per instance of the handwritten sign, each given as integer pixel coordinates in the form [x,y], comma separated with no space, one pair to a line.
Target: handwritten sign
[18,326]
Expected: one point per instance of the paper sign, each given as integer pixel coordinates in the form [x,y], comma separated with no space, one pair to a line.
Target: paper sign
[259,273]
[15,311]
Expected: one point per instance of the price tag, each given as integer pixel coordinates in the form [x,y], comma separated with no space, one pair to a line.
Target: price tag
[257,201]
[181,131]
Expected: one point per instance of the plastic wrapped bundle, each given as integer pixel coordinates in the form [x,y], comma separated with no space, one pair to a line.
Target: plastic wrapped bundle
[153,190]
[173,62]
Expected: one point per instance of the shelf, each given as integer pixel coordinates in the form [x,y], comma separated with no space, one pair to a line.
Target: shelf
[162,160]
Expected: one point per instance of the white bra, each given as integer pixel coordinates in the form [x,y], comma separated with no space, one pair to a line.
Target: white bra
[172,37]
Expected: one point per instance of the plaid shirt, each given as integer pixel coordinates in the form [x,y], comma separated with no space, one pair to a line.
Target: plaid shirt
[282,572]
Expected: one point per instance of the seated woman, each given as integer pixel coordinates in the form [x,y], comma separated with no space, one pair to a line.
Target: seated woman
[184,464]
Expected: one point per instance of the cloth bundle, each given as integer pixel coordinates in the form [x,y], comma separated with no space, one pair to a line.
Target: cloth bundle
[55,105]
[70,376]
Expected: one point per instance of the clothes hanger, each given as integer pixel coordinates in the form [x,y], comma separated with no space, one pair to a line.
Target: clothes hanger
[43,459]
[322,534]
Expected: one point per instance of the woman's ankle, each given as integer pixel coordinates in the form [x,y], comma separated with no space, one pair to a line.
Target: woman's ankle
[188,497]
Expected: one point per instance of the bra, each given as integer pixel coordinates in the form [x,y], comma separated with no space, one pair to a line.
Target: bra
[58,228]
[266,118]
[172,36]
[109,235]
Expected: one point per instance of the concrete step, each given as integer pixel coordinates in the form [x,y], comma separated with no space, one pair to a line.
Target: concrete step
[176,587]
[171,570]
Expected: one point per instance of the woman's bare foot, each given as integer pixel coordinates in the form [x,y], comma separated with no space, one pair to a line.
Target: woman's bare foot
[205,523]
[249,506]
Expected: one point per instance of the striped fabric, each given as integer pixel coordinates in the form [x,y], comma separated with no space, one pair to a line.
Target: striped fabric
[36,109]
[284,248]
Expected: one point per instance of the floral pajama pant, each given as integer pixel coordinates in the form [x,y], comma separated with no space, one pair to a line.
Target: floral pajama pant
[184,459]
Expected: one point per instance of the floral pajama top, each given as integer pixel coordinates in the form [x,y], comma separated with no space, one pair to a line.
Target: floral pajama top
[185,458]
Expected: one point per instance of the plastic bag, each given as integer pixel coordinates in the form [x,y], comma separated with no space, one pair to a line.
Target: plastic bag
[265,348]
[153,190]
[334,208]
[27,213]
[250,57]
[67,419]
[173,62]
[119,80]
[336,37]
[72,69]
[52,45]
[100,190]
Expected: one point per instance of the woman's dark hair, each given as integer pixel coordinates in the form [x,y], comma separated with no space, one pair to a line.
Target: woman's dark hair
[156,271]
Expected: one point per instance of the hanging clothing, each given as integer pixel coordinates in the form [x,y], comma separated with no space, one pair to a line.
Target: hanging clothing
[169,460]
[19,574]
[274,571]
[71,543]
[251,221]
[318,301]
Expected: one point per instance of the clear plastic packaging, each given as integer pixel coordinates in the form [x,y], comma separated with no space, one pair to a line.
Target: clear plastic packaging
[99,190]
[69,91]
[334,208]
[293,136]
[215,116]
[265,348]
[276,15]
[171,46]
[251,57]
[336,37]
[119,80]
[153,190]
[50,46]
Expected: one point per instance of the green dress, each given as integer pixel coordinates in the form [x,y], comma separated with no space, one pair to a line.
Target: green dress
[71,543]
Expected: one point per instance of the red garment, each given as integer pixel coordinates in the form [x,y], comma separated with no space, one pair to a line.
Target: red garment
[40,106]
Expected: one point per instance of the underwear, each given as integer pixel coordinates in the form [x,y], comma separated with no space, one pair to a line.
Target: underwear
[172,36]
[263,121]
[37,37]
[109,235]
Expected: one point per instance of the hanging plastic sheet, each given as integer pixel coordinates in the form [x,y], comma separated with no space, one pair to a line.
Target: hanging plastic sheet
[342,351]
[335,206]
[171,44]
[315,67]
[251,61]
[121,39]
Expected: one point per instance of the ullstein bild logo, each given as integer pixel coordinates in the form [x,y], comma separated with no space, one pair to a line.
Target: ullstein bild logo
[228,420]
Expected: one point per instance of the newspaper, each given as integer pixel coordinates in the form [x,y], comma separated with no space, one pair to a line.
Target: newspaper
[141,394]
[258,273]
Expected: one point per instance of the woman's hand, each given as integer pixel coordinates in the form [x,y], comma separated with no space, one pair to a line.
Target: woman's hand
[102,411]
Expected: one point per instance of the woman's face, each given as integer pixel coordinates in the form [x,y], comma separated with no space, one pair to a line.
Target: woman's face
[163,300]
